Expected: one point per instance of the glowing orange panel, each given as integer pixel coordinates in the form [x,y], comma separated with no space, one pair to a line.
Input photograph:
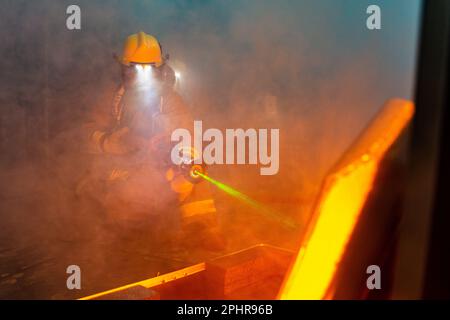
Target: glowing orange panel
[342,198]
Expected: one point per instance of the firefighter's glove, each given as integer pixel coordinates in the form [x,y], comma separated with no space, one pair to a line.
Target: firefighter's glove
[178,183]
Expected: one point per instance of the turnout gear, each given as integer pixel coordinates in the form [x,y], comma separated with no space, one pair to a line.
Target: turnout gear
[133,147]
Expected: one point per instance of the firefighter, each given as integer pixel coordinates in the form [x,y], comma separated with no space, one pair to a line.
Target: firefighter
[138,182]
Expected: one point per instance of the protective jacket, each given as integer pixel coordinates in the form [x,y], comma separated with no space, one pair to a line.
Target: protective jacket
[133,168]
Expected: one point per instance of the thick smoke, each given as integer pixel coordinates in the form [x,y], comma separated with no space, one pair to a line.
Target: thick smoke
[309,68]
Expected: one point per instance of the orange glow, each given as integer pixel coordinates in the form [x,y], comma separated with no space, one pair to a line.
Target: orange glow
[342,198]
[332,232]
[152,282]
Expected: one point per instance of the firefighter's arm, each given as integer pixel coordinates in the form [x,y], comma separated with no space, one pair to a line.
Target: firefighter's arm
[100,124]
[117,142]
[196,202]
[104,137]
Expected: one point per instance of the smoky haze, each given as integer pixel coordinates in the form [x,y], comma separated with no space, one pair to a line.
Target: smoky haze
[309,68]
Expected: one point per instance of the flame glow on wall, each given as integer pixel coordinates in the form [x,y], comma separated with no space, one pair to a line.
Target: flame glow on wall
[340,204]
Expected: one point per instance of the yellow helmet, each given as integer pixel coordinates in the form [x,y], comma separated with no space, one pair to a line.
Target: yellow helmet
[142,48]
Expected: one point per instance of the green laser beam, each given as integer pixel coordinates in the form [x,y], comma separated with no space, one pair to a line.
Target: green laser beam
[268,212]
